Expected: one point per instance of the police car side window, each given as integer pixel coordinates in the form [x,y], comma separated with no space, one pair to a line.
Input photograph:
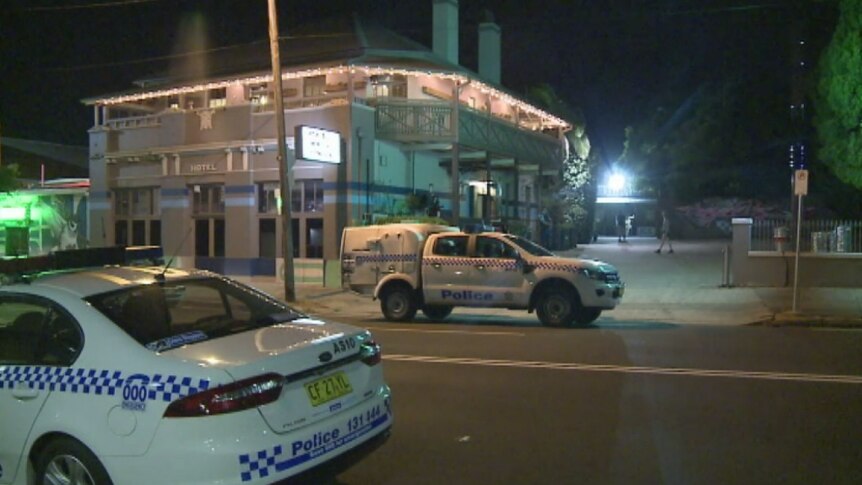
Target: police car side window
[33,332]
[451,246]
[489,247]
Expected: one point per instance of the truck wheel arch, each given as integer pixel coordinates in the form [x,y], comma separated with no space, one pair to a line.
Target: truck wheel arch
[550,283]
[394,279]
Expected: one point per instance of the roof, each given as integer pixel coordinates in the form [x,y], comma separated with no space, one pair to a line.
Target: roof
[92,281]
[334,41]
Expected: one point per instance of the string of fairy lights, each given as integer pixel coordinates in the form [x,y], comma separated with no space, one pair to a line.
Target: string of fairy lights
[548,120]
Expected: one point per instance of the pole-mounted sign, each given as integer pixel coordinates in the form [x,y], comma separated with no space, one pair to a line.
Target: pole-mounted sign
[800,189]
[800,183]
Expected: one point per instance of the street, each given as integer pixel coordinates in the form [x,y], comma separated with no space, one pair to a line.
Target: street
[483,400]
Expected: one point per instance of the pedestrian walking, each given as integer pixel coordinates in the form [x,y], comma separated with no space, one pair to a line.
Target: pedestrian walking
[665,233]
[621,227]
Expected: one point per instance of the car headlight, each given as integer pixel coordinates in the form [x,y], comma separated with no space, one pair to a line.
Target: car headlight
[592,274]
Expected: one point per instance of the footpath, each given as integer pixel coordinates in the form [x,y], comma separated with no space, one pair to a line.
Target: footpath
[684,287]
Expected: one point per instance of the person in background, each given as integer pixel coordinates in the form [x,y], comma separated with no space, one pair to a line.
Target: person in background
[621,227]
[665,233]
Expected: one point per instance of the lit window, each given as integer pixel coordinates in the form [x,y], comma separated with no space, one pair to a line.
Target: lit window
[218,98]
[313,86]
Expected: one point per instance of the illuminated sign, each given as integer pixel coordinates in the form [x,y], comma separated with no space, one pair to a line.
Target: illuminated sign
[203,167]
[317,145]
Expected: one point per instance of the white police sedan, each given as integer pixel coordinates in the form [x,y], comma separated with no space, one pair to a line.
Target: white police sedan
[142,374]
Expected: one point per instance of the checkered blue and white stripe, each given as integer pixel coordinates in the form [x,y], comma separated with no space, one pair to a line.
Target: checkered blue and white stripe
[508,264]
[385,258]
[98,382]
[260,463]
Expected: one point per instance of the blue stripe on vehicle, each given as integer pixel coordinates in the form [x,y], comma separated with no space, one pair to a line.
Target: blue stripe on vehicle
[166,388]
[273,460]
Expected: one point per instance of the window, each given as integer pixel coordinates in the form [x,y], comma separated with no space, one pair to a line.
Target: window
[451,246]
[313,86]
[394,85]
[218,97]
[489,247]
[267,197]
[260,97]
[307,196]
[208,199]
[137,216]
[35,332]
[199,309]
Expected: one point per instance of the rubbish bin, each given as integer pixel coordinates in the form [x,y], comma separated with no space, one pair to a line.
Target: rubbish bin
[842,240]
[779,235]
[820,242]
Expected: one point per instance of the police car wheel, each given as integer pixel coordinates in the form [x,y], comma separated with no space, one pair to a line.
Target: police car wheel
[65,460]
[398,304]
[437,312]
[587,316]
[556,308]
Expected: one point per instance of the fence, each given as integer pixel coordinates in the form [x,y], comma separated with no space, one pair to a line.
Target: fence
[817,236]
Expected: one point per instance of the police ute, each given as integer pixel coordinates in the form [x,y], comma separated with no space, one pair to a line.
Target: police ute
[116,368]
[434,268]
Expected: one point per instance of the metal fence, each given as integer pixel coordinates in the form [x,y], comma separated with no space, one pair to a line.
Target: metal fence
[817,236]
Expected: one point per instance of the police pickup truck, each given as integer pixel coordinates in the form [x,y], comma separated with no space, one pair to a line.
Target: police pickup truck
[434,268]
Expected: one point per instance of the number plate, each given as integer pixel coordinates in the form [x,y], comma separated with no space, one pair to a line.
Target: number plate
[328,388]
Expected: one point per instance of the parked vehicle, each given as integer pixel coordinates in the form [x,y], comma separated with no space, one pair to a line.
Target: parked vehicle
[434,268]
[118,373]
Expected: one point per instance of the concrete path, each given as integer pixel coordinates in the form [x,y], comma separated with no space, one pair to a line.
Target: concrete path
[681,288]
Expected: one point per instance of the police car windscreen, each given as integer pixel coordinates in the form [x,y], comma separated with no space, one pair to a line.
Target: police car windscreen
[173,314]
[529,246]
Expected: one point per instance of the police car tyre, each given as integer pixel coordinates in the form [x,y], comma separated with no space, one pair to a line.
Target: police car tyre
[398,303]
[67,461]
[587,316]
[557,307]
[437,312]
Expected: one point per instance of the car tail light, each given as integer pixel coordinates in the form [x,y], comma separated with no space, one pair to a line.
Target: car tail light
[229,398]
[370,352]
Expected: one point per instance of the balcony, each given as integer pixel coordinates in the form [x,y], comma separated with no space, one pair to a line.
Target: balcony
[431,122]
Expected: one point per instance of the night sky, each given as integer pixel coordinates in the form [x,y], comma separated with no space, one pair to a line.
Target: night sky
[608,57]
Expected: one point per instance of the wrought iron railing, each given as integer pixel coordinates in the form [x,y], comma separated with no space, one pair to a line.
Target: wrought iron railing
[819,236]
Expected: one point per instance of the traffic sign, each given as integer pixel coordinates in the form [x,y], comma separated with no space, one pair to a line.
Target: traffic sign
[800,185]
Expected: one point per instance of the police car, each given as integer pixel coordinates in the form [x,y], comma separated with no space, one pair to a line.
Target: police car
[128,374]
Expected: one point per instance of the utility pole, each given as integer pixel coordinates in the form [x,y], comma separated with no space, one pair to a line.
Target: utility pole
[286,220]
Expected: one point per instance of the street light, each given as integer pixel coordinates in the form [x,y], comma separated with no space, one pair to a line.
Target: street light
[617,181]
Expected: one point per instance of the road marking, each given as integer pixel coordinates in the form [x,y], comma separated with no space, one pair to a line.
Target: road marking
[670,371]
[419,330]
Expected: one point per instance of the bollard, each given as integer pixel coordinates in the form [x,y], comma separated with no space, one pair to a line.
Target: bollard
[725,275]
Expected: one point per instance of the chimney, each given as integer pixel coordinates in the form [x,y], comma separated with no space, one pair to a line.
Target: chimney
[489,49]
[445,37]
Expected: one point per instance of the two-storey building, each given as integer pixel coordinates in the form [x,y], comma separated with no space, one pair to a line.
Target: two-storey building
[189,162]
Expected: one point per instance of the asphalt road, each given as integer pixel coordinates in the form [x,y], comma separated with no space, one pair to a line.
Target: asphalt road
[510,402]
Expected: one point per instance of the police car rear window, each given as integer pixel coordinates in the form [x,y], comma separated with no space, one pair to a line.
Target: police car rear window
[169,315]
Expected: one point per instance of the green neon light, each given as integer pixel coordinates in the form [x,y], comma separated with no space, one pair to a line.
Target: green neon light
[13,213]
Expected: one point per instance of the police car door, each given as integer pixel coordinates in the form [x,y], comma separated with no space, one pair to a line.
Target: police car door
[445,270]
[28,346]
[495,273]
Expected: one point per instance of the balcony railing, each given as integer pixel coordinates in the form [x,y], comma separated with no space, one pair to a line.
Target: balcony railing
[133,122]
[414,121]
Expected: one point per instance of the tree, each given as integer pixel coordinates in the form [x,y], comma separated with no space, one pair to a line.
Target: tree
[725,138]
[838,105]
[9,178]
[570,202]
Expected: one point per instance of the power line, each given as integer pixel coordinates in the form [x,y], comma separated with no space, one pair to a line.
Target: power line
[58,8]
